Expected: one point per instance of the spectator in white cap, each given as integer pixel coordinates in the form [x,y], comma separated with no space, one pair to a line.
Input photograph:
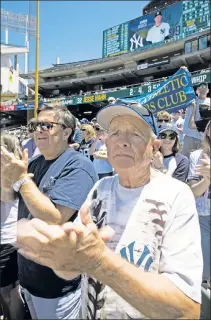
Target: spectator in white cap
[152,267]
[111,100]
[168,159]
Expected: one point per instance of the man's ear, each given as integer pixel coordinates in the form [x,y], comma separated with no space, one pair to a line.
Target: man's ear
[156,145]
[106,142]
[67,133]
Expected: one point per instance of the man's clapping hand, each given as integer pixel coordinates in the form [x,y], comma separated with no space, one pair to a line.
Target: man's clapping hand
[69,250]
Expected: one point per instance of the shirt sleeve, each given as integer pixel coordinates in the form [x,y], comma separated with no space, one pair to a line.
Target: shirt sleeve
[181,255]
[181,172]
[72,188]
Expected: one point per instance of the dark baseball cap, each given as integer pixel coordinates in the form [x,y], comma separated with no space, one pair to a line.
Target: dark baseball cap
[158,13]
[202,84]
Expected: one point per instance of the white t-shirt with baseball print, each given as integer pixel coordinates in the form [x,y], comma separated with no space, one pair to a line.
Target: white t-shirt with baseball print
[167,239]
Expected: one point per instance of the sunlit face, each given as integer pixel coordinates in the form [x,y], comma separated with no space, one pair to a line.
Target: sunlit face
[158,20]
[168,139]
[129,143]
[202,91]
[50,141]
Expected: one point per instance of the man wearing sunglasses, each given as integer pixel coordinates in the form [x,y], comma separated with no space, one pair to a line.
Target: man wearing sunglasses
[152,267]
[61,181]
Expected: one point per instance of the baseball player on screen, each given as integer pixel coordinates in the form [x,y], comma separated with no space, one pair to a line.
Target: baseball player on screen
[160,31]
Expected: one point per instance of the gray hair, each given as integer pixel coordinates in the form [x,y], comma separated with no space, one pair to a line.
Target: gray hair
[12,144]
[63,115]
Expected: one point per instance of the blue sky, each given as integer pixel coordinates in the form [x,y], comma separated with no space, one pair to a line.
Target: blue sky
[71,30]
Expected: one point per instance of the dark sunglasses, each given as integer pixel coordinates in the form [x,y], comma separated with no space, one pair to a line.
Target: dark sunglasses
[44,126]
[170,136]
[163,120]
[83,129]
[97,129]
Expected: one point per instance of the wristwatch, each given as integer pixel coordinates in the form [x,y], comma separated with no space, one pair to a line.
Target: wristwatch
[17,185]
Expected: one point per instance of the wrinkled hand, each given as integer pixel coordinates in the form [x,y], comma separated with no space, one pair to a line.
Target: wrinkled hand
[204,168]
[158,160]
[13,169]
[69,250]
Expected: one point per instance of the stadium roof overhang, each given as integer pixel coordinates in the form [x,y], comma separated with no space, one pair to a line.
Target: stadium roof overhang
[59,76]
[12,50]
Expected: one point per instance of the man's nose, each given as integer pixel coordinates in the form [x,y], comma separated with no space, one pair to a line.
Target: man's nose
[123,141]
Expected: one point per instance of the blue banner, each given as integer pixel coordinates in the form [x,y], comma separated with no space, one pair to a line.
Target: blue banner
[174,94]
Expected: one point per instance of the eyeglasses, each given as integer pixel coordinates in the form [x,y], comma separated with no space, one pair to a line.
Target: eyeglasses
[44,126]
[163,120]
[170,136]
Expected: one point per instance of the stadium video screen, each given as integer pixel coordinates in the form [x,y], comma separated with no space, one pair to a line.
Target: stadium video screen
[177,20]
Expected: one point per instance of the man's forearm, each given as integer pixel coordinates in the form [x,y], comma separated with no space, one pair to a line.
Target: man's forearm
[199,188]
[151,294]
[38,204]
[192,124]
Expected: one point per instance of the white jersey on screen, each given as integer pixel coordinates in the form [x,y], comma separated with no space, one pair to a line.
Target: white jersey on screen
[157,34]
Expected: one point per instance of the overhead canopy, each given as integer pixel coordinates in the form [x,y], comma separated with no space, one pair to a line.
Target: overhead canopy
[7,49]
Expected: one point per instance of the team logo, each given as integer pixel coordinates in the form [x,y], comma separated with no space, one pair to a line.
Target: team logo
[162,31]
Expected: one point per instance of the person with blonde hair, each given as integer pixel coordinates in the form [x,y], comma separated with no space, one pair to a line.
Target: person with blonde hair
[163,117]
[10,289]
[89,137]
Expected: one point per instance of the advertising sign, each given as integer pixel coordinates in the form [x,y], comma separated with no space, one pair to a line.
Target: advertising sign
[174,94]
[12,107]
[152,64]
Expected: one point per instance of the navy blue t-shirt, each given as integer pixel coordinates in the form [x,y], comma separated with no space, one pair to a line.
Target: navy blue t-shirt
[70,187]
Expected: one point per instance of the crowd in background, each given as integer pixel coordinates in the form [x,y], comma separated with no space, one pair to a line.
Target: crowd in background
[184,154]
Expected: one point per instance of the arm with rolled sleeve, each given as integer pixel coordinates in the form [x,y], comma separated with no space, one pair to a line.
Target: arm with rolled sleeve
[181,254]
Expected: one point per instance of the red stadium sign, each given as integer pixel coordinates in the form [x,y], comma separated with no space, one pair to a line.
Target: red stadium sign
[8,108]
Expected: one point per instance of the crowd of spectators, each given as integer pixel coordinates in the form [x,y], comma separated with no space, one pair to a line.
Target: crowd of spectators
[66,158]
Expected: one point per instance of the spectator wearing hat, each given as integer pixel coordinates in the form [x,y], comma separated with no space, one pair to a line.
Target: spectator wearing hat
[193,138]
[160,31]
[168,159]
[152,266]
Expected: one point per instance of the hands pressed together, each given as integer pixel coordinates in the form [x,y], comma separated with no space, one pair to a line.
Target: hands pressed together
[69,249]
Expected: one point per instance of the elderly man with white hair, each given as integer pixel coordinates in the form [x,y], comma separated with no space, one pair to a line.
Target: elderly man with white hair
[151,265]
